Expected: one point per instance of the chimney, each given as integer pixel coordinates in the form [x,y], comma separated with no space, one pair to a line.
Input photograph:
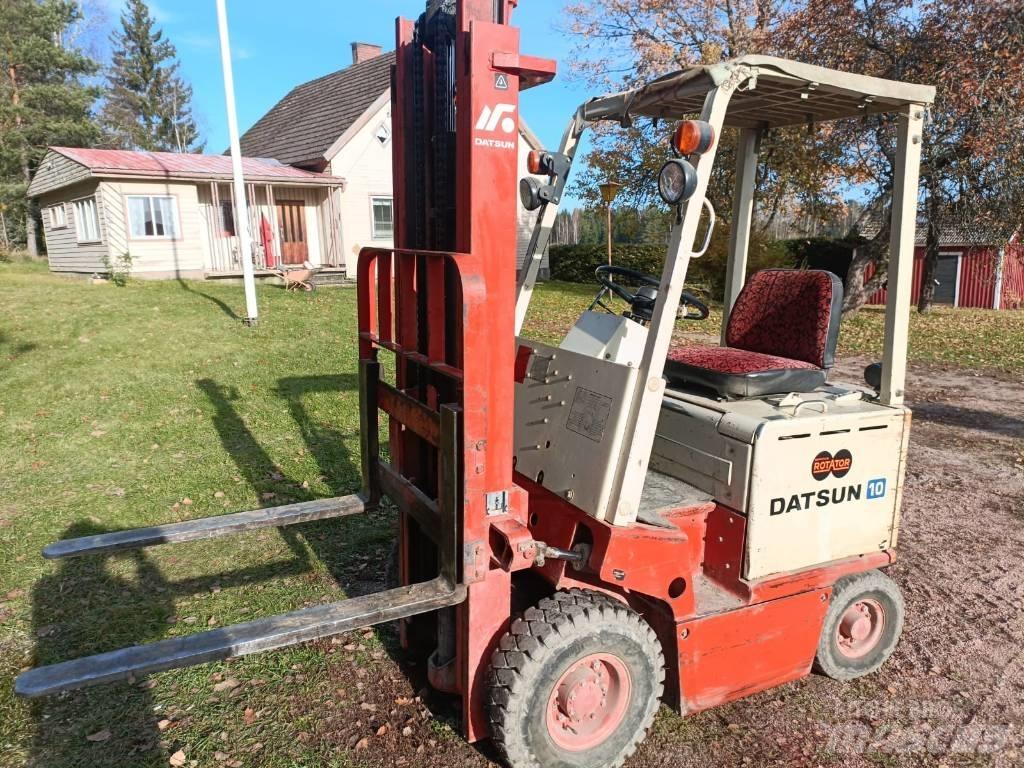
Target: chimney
[364,52]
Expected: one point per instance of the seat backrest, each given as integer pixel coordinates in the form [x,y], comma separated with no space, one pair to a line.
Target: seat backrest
[791,313]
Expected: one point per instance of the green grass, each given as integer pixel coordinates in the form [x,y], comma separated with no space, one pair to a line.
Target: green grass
[149,404]
[152,403]
[973,338]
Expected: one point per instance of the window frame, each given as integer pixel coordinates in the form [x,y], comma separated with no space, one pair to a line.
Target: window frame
[374,234]
[132,236]
[75,204]
[51,209]
[226,210]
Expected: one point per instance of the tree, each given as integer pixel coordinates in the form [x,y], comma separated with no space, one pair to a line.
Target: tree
[43,99]
[622,44]
[148,103]
[972,152]
[973,143]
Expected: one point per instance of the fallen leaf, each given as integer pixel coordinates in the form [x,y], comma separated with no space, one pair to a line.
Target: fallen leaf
[99,735]
[226,685]
[186,501]
[407,731]
[218,495]
[249,716]
[382,730]
[97,433]
[220,757]
[177,759]
[363,743]
[163,725]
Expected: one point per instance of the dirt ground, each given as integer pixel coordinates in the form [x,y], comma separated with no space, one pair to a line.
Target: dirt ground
[953,694]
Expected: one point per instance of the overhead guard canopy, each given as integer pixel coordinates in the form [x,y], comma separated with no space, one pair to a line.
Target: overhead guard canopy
[770,93]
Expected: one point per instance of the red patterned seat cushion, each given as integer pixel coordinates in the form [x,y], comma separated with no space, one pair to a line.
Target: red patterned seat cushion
[790,313]
[734,361]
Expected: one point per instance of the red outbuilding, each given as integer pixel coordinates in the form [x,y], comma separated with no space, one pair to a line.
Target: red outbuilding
[982,269]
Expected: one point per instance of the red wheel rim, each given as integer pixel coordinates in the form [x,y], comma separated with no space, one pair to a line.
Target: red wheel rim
[860,628]
[588,702]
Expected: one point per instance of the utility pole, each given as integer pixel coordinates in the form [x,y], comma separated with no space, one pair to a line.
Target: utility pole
[608,192]
[241,208]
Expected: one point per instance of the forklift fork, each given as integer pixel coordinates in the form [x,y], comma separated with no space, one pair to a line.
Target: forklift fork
[299,626]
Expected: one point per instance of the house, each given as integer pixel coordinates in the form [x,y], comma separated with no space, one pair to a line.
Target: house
[981,267]
[341,124]
[173,213]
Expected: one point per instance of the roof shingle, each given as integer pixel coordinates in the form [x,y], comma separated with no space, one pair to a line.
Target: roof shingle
[301,127]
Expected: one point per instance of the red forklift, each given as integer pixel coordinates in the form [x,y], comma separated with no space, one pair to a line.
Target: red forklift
[591,529]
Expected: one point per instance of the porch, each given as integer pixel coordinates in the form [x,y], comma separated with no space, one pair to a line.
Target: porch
[289,224]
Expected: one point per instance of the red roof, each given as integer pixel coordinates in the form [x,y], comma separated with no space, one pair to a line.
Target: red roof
[119,162]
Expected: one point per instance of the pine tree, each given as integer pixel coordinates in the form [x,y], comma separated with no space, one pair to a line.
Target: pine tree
[148,103]
[43,99]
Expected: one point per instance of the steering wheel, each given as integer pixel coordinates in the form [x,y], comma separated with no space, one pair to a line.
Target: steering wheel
[642,300]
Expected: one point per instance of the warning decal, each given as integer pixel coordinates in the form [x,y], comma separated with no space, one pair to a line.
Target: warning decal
[501,81]
[589,413]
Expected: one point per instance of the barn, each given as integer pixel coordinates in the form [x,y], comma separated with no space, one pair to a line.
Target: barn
[977,268]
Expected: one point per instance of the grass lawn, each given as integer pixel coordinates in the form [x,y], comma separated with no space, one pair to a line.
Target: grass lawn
[152,403]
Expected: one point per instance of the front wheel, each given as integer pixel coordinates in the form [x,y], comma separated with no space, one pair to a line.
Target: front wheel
[862,626]
[575,683]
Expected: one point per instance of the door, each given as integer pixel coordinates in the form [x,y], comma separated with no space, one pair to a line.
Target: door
[291,225]
[946,273]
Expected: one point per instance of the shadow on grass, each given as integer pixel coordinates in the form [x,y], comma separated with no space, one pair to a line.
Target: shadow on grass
[224,306]
[11,350]
[346,548]
[84,608]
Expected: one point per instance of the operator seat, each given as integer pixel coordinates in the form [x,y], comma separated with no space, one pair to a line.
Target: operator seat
[781,338]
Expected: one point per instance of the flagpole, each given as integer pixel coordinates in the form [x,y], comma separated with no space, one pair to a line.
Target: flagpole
[241,208]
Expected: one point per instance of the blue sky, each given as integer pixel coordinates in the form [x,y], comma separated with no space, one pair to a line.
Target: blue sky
[278,45]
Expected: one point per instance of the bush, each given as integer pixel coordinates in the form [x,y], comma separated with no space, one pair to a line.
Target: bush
[706,274]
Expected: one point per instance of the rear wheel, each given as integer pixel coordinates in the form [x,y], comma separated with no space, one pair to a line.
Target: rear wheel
[862,626]
[575,682]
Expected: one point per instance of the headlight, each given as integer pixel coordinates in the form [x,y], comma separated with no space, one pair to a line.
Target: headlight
[530,193]
[677,181]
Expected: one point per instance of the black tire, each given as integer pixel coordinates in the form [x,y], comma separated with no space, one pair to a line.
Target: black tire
[540,647]
[878,590]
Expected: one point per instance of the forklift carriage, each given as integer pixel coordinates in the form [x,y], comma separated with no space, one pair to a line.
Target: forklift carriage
[592,528]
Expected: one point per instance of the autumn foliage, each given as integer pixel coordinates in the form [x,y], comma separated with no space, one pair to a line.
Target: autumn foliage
[972,172]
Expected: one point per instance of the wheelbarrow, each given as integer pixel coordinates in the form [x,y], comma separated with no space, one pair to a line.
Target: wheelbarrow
[299,277]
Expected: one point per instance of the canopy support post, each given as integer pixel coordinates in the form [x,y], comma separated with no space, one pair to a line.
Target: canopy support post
[901,254]
[742,217]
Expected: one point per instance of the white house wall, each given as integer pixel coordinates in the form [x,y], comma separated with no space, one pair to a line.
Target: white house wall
[365,164]
[183,256]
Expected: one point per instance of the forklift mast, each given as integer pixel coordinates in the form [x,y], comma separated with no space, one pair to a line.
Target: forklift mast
[442,302]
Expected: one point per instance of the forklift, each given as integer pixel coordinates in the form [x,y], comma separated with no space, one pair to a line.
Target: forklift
[590,529]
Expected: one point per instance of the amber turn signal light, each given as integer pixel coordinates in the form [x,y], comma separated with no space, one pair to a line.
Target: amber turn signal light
[534,161]
[693,136]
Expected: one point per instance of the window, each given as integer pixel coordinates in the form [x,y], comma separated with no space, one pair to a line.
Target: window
[152,216]
[58,216]
[227,218]
[87,220]
[383,220]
